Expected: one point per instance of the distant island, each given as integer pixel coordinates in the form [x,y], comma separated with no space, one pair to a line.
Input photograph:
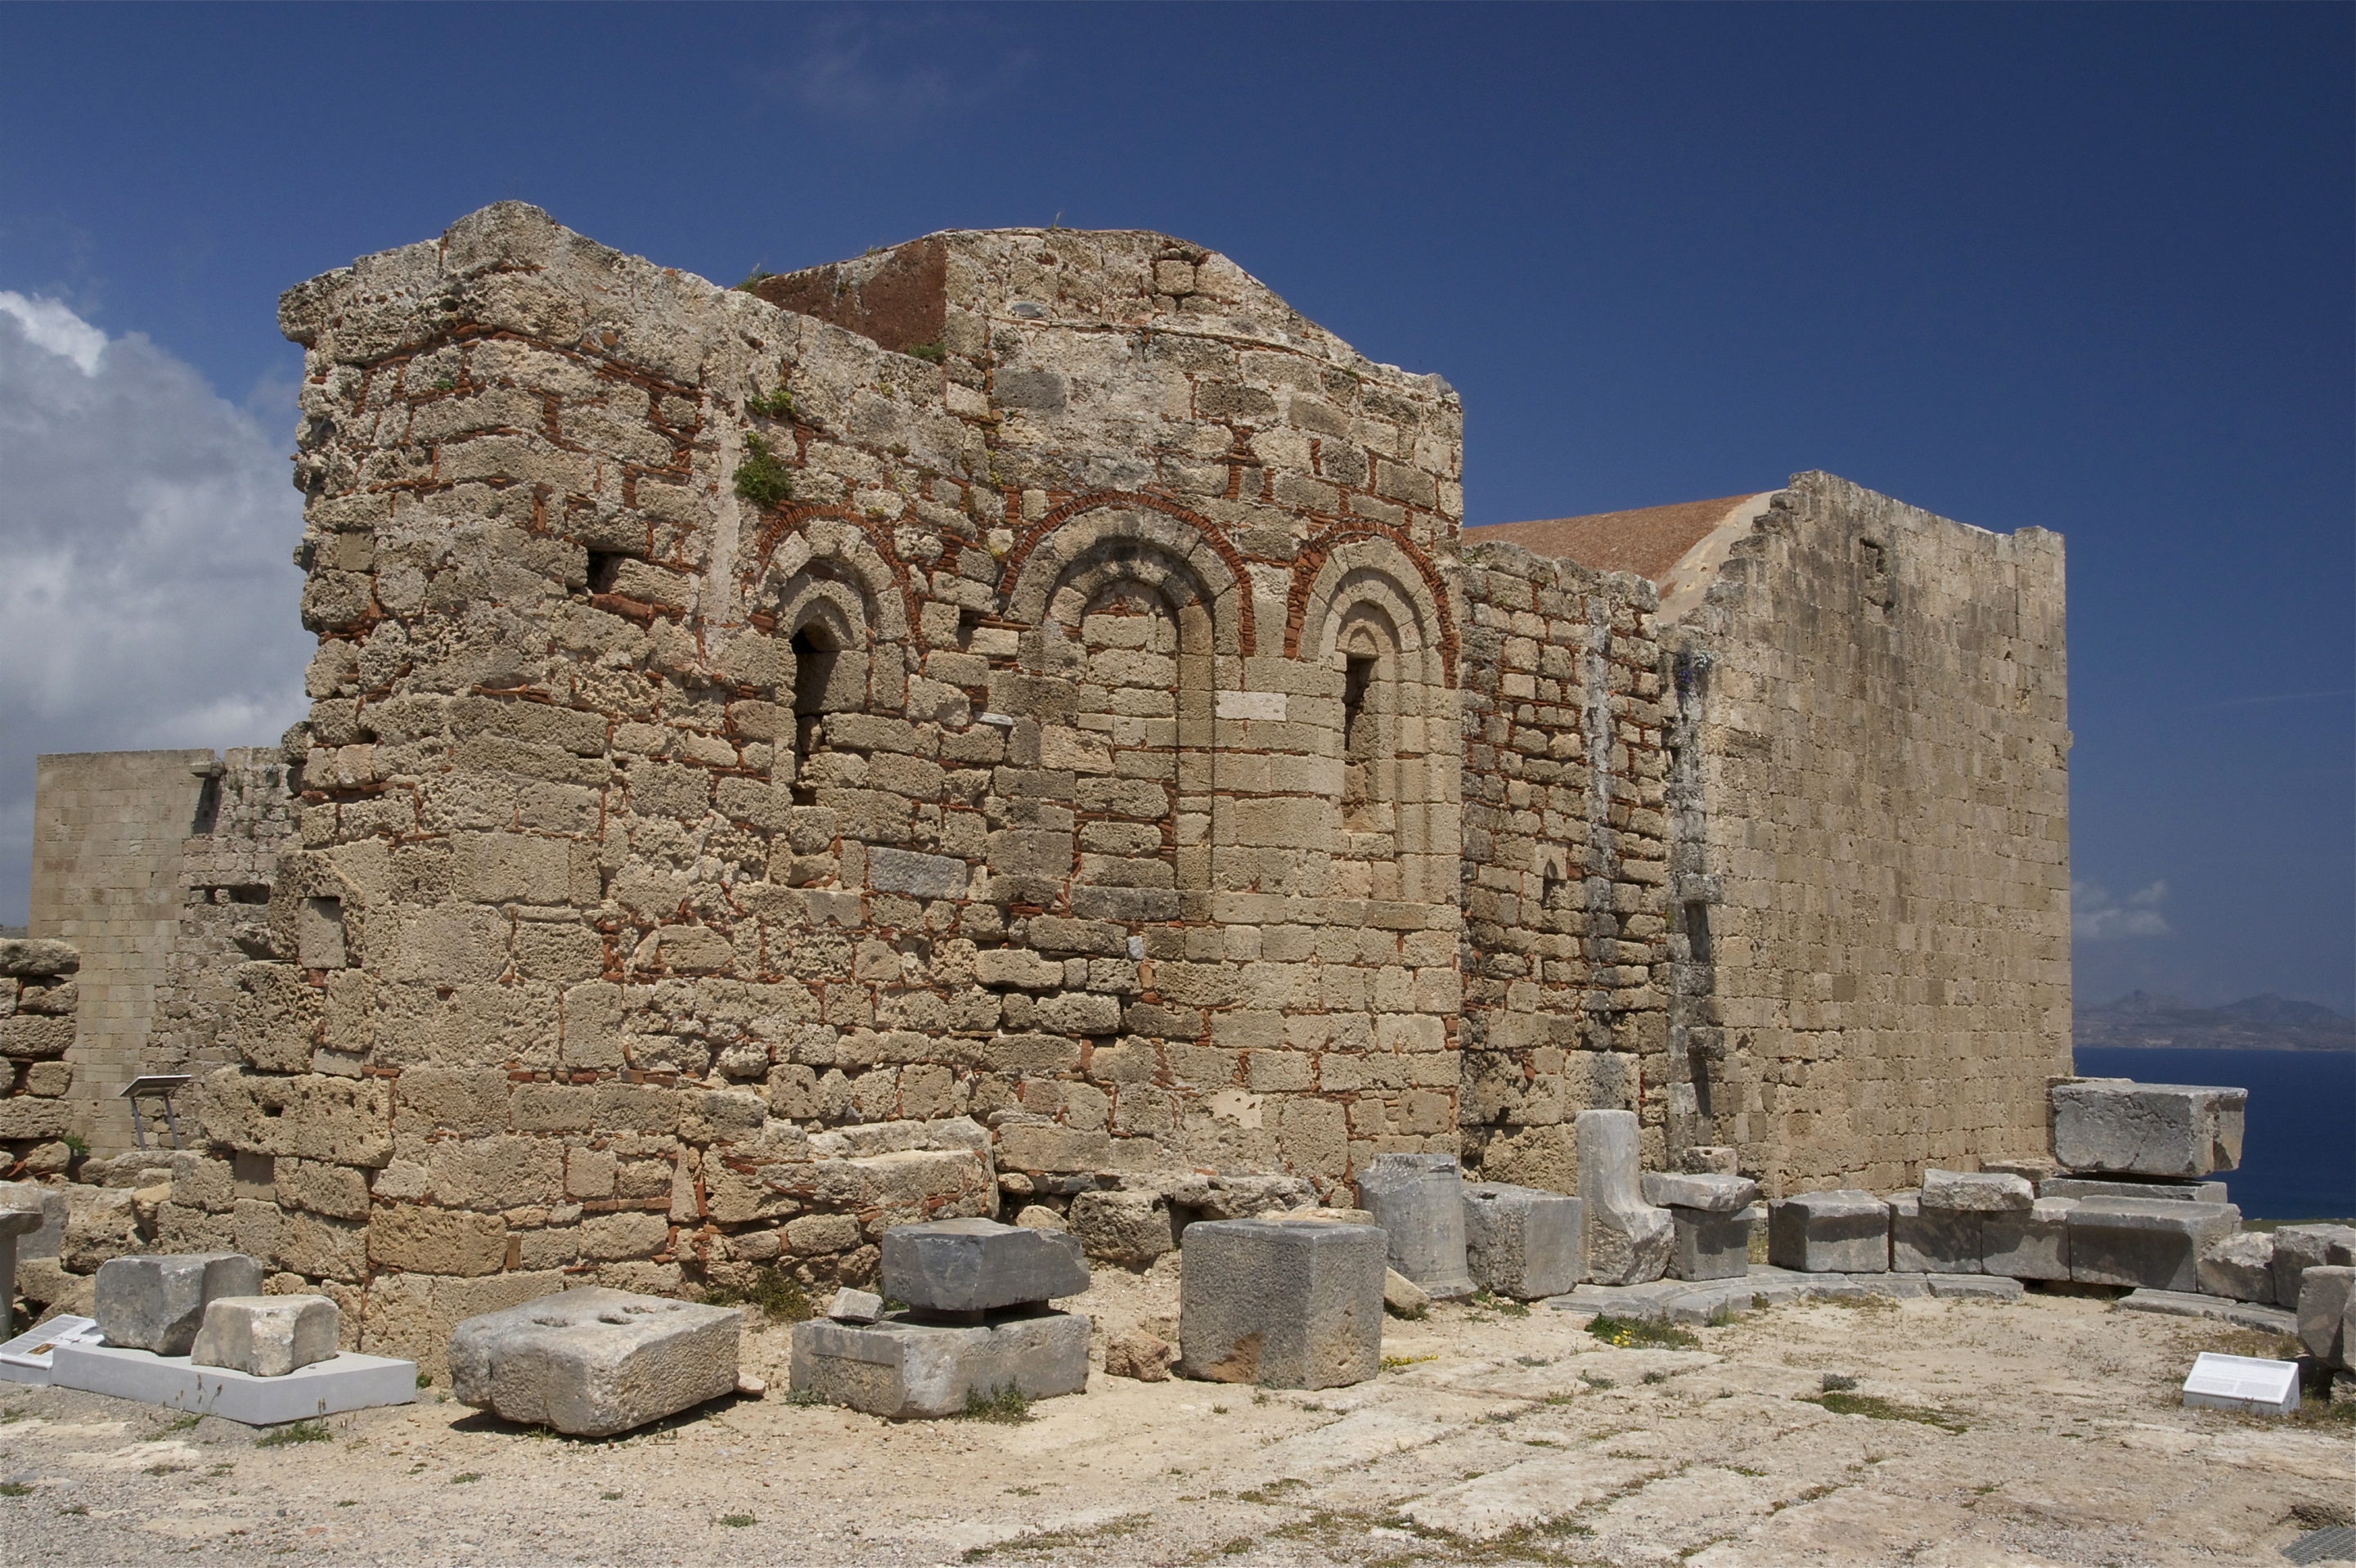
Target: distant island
[2142,1019]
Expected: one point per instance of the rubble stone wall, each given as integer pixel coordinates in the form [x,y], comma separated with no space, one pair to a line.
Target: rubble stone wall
[1036,755]
[1870,960]
[1565,863]
[40,997]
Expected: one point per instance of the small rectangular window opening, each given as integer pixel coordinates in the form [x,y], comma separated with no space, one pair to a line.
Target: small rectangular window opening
[1357,732]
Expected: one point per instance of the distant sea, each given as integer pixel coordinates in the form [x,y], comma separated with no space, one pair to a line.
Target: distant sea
[2298,1148]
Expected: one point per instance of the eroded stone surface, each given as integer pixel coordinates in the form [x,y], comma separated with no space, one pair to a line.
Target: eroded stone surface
[906,1370]
[2148,1129]
[1418,1202]
[1522,1241]
[266,1336]
[1628,1239]
[1977,1192]
[1843,1231]
[1287,1304]
[2113,1242]
[980,1265]
[592,1362]
[152,1303]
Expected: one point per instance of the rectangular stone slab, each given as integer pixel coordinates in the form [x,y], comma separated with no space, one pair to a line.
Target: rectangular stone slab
[1981,1193]
[1523,1242]
[1282,1305]
[2158,1245]
[157,1302]
[1710,1194]
[905,1371]
[2139,1192]
[1844,1230]
[591,1363]
[2148,1129]
[980,1265]
[1923,1240]
[1710,1245]
[2032,1245]
[347,1381]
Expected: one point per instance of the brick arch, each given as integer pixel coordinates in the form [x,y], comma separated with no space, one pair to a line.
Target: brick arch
[858,547]
[1319,570]
[1067,533]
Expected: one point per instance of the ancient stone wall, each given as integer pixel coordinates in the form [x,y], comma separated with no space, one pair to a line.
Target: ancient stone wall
[107,832]
[38,999]
[1564,864]
[763,788]
[1870,805]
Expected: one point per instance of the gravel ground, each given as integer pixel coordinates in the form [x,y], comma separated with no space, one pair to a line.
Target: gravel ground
[2043,1431]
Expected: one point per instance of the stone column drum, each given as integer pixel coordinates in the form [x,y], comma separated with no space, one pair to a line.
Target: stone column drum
[1628,1239]
[1418,1200]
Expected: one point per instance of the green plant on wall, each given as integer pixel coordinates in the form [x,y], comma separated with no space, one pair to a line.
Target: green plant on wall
[761,478]
[778,405]
[930,353]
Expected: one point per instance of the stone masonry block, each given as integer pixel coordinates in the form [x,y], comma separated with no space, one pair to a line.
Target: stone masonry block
[1280,1303]
[980,1265]
[2148,1129]
[906,1370]
[1418,1200]
[266,1336]
[2327,1312]
[1523,1242]
[1628,1239]
[1977,1192]
[1128,1228]
[2241,1267]
[2154,1245]
[2031,1245]
[1923,1240]
[151,1303]
[2297,1248]
[1707,1245]
[1708,1193]
[1840,1231]
[592,1362]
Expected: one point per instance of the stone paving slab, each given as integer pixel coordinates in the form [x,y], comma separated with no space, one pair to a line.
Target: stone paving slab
[1686,1302]
[2189,1304]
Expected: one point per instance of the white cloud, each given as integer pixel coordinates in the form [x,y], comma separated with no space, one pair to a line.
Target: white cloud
[146,597]
[869,68]
[2097,916]
[48,323]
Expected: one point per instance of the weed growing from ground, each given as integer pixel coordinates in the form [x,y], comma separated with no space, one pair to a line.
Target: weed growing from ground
[294,1431]
[736,1520]
[465,1477]
[15,1489]
[1005,1406]
[1834,1382]
[1876,1408]
[1635,1334]
[178,1423]
[778,1294]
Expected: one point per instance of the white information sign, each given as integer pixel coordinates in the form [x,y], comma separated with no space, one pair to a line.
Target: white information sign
[36,1345]
[2243,1383]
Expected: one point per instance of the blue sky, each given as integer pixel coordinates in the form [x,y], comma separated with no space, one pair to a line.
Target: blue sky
[2083,267]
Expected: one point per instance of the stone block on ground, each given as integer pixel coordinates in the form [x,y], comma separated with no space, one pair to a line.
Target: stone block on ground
[2299,1248]
[1923,1240]
[157,1303]
[1977,1192]
[2158,1245]
[592,1362]
[1402,1298]
[1281,1304]
[1418,1202]
[266,1336]
[2034,1244]
[907,1370]
[1975,1288]
[1523,1242]
[2327,1312]
[1628,1239]
[2241,1265]
[850,1306]
[1131,1229]
[54,1210]
[1843,1231]
[1708,1192]
[980,1265]
[1139,1355]
[1707,1245]
[2032,1171]
[2148,1129]
[2216,1308]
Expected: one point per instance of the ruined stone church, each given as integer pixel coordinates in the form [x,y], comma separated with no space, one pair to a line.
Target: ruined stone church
[1013,721]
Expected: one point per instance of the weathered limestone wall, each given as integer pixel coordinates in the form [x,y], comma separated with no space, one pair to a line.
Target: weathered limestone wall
[107,830]
[1035,764]
[1566,861]
[38,999]
[1871,953]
